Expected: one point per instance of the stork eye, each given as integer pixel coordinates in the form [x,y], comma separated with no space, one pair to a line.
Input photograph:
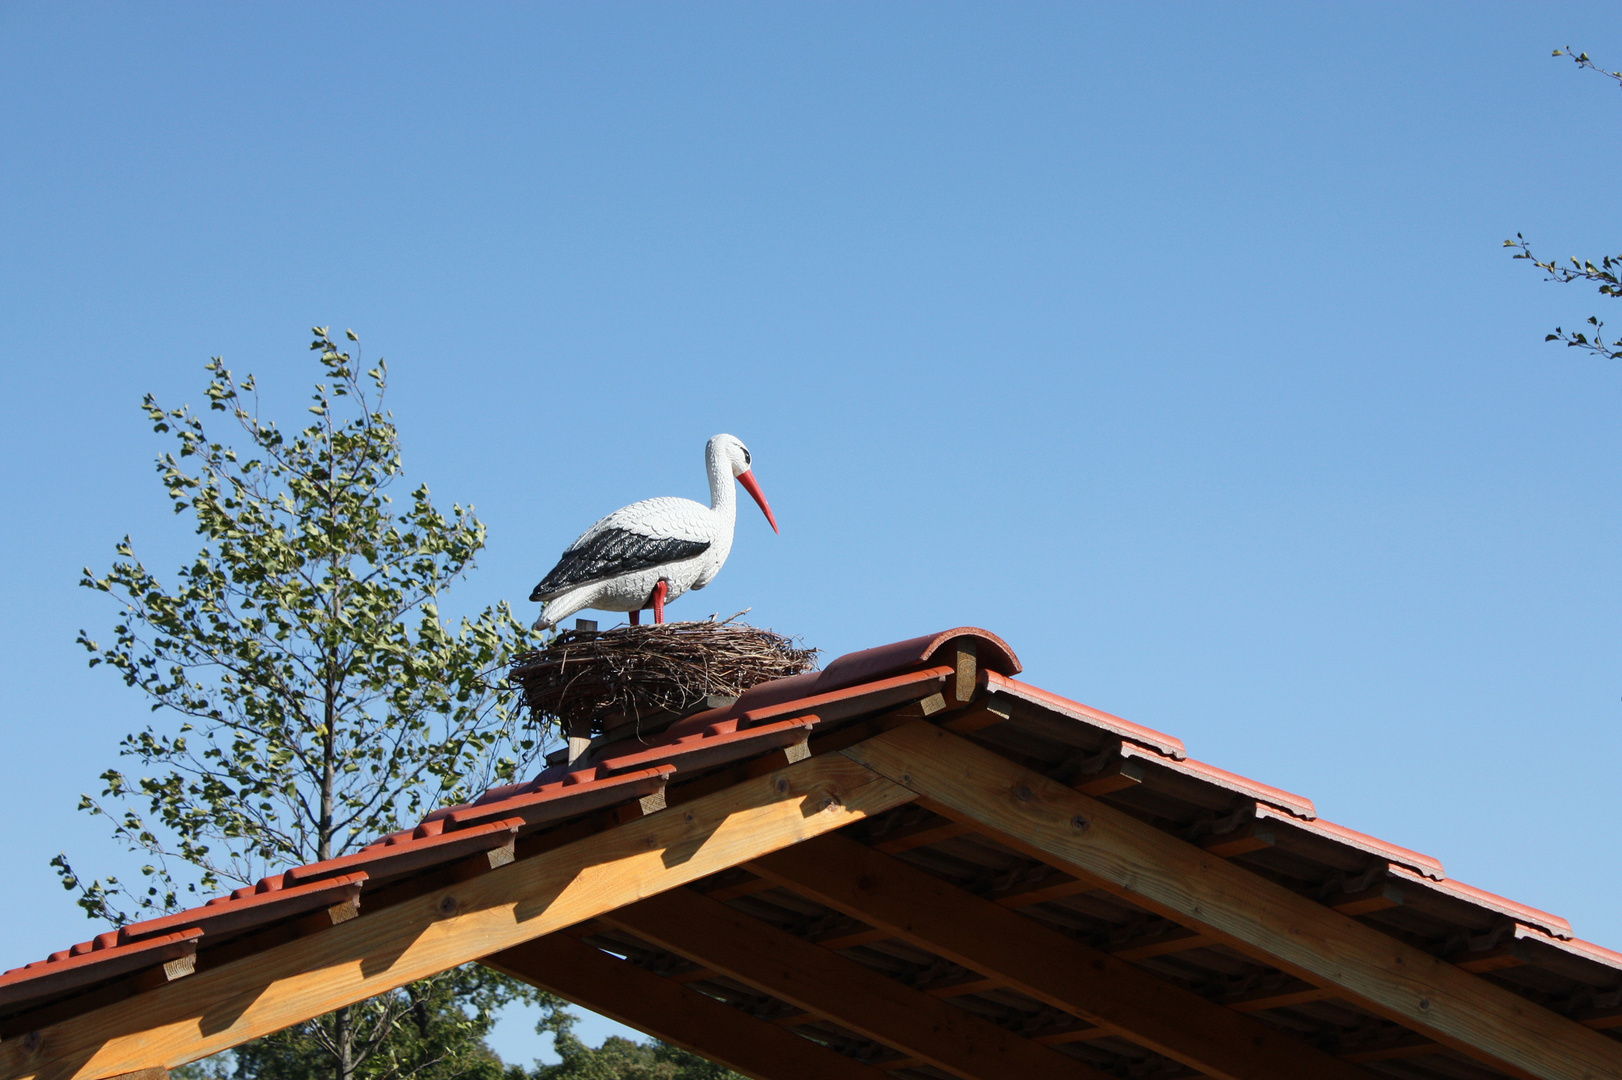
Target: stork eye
[746,455]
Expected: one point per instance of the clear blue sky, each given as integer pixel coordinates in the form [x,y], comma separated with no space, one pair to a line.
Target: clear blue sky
[1174,343]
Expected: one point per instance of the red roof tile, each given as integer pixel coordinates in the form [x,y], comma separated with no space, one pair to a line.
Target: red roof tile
[224,915]
[1550,924]
[558,799]
[403,853]
[1351,838]
[1299,805]
[1169,745]
[70,970]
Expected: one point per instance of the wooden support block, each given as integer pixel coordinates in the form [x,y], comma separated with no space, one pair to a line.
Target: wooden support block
[648,804]
[780,758]
[849,939]
[1299,993]
[742,888]
[1178,880]
[1401,1051]
[350,908]
[828,985]
[673,1013]
[1041,963]
[1044,891]
[1166,945]
[1380,897]
[1120,775]
[988,713]
[179,968]
[1083,1034]
[699,974]
[1242,841]
[922,836]
[418,936]
[1492,960]
[963,656]
[972,984]
[1601,1020]
[917,710]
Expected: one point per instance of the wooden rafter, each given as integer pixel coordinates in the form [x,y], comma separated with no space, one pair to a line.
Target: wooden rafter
[668,1010]
[828,985]
[1168,875]
[1043,963]
[221,1007]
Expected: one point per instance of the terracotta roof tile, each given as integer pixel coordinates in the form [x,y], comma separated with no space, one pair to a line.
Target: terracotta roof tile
[559,798]
[403,854]
[69,970]
[224,915]
[1552,925]
[1340,835]
[1169,745]
[1298,805]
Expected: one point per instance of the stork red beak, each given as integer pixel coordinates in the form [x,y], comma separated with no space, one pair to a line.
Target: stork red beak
[747,479]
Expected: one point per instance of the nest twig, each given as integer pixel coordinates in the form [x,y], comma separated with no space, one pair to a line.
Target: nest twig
[638,671]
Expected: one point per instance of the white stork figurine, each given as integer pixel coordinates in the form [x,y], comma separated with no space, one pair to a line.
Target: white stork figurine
[649,553]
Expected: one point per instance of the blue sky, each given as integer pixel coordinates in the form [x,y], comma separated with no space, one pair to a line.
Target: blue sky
[1174,343]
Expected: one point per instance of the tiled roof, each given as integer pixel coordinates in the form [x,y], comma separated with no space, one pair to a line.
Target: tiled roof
[1272,832]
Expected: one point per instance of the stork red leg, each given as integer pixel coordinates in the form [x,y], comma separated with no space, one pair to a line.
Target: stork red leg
[636,618]
[660,591]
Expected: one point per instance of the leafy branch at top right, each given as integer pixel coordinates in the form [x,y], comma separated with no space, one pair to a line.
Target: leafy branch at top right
[1607,273]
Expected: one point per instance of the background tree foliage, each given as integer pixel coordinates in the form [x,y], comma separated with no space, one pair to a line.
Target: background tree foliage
[622,1059]
[321,701]
[1604,274]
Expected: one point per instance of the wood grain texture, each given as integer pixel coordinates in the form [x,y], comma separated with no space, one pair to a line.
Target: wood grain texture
[220,1008]
[826,984]
[1043,963]
[672,1012]
[1174,878]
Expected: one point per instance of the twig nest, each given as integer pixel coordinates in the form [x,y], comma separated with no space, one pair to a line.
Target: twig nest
[633,672]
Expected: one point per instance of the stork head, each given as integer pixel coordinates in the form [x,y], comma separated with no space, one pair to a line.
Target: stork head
[728,449]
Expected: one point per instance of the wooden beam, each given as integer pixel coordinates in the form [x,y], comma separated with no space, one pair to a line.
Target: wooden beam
[1165,945]
[828,985]
[217,1009]
[1042,963]
[1408,1048]
[1176,879]
[1043,891]
[672,1012]
[919,836]
[1294,993]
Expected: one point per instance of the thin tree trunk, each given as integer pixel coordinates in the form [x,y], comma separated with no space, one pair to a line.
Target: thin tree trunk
[343,1065]
[343,1029]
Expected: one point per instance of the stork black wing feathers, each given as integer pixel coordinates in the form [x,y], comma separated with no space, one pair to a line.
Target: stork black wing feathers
[611,552]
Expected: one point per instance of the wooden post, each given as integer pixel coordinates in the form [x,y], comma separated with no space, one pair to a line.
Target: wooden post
[579,739]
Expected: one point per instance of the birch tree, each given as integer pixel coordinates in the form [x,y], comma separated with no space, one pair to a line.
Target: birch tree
[310,696]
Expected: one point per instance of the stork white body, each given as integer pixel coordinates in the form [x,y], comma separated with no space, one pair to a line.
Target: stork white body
[619,563]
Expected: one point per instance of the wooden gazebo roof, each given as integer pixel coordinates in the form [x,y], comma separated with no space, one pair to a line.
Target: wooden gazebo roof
[909,864]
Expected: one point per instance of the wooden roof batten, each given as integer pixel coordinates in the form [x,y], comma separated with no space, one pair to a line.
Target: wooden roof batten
[969,941]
